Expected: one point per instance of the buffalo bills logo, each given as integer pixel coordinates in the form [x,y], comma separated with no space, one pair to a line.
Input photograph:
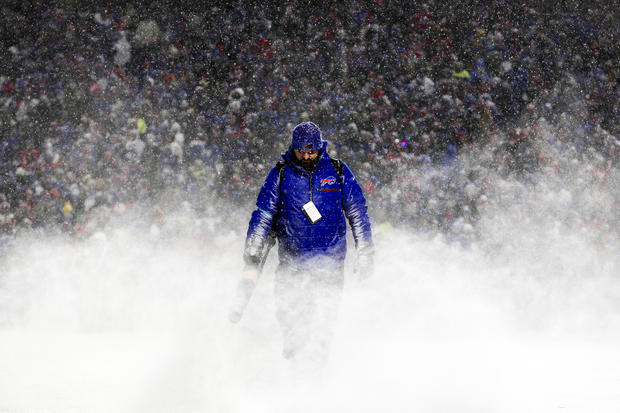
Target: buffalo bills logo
[328,181]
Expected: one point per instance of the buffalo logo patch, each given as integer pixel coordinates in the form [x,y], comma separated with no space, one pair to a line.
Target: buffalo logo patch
[328,181]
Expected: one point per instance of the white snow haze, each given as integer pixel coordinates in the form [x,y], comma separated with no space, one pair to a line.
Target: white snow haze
[526,318]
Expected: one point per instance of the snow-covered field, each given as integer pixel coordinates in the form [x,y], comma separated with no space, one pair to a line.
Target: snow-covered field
[127,323]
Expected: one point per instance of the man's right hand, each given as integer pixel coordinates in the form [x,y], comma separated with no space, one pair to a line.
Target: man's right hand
[252,252]
[253,260]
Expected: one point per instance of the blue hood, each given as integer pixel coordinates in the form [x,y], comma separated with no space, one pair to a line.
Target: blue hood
[307,137]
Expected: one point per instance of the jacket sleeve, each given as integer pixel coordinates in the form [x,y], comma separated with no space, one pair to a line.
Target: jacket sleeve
[356,211]
[262,217]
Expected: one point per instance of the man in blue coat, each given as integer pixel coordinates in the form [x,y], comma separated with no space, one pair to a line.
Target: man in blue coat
[303,203]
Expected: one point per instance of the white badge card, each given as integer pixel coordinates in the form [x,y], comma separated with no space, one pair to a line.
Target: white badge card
[311,212]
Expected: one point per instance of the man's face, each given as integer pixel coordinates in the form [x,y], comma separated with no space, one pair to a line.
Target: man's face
[306,157]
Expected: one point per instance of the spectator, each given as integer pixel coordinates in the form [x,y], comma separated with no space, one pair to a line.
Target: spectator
[109,106]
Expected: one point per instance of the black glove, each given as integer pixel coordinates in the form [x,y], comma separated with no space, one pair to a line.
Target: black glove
[252,252]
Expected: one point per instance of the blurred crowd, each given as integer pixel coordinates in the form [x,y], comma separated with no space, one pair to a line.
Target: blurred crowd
[109,108]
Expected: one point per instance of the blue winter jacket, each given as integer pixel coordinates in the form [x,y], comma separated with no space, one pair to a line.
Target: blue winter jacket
[302,245]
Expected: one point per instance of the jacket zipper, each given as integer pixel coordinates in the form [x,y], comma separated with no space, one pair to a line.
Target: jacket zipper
[311,231]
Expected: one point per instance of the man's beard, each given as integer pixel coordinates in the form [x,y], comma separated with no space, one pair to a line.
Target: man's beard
[308,164]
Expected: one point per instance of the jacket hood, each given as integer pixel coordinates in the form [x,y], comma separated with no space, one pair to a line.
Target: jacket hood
[307,137]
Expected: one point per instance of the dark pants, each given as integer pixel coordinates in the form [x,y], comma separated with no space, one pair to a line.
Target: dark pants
[307,306]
